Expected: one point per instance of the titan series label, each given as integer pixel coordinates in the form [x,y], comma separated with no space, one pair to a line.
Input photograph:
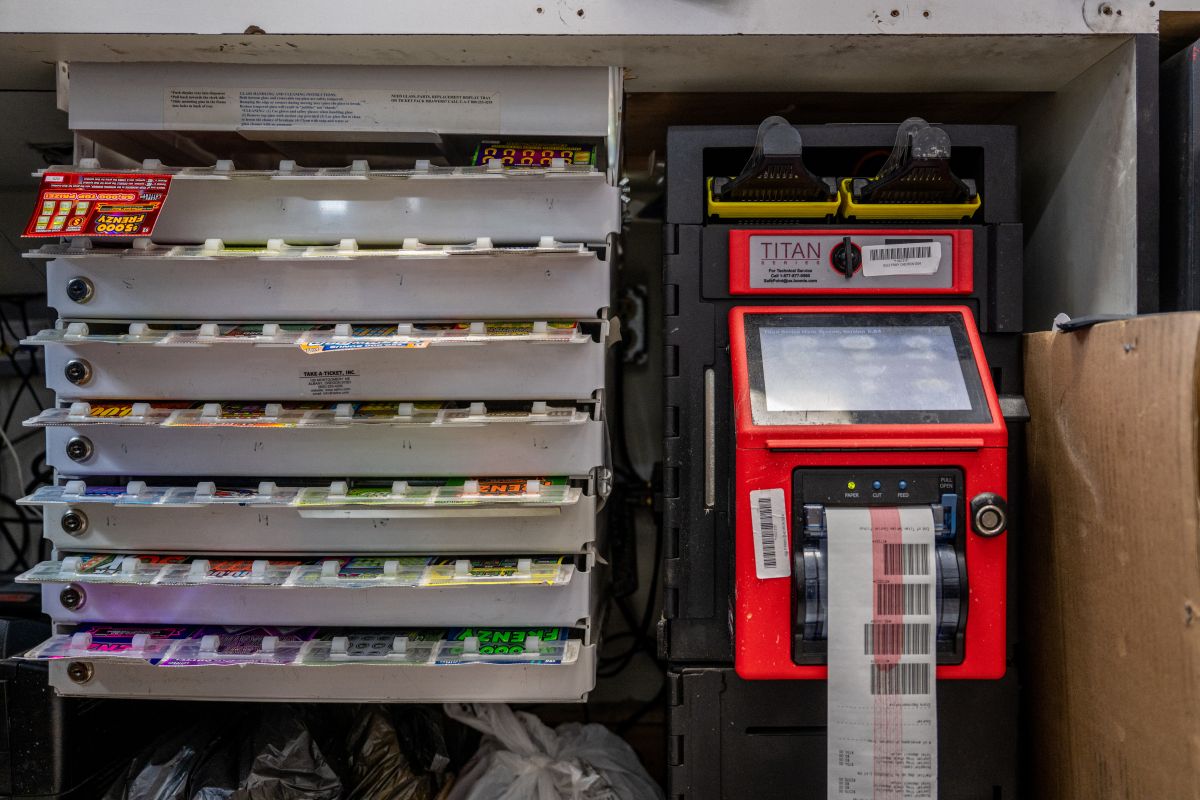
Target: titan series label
[857,261]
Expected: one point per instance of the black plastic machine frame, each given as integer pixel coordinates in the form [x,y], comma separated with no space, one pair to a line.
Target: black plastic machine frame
[765,739]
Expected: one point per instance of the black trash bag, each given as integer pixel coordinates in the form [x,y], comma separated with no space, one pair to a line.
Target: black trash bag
[378,765]
[267,754]
[277,760]
[163,770]
[421,730]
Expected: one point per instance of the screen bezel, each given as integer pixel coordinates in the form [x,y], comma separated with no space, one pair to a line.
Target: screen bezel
[979,413]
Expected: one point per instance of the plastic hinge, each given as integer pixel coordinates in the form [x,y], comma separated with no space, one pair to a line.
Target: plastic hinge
[670,480]
[670,422]
[670,300]
[670,240]
[671,573]
[671,361]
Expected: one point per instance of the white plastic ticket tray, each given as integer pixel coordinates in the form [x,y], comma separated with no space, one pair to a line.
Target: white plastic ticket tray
[541,360]
[563,445]
[310,415]
[78,519]
[284,282]
[183,646]
[568,680]
[315,572]
[216,519]
[382,207]
[339,603]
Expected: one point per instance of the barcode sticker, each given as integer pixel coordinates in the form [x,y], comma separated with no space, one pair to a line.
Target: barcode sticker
[907,258]
[768,517]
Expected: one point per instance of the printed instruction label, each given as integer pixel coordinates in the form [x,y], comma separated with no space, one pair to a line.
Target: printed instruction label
[210,108]
[328,382]
[882,650]
[909,258]
[768,519]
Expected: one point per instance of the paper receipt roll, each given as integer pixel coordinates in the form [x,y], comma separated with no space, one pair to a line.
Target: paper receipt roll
[882,654]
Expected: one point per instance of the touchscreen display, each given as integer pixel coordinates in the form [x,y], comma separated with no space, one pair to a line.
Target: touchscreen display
[908,368]
[863,368]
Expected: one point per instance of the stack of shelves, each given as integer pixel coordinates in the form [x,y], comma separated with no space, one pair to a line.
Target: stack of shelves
[334,433]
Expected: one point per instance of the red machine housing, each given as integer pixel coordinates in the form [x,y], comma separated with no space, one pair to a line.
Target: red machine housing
[962,254]
[766,457]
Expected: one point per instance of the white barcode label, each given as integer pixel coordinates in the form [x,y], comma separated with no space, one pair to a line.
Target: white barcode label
[907,258]
[768,517]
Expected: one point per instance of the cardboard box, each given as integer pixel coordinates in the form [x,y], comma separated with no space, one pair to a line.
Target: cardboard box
[1111,561]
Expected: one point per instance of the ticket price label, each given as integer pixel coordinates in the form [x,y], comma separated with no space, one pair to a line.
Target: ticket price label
[98,204]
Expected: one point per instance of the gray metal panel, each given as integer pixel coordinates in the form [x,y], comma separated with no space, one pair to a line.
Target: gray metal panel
[484,683]
[424,606]
[233,529]
[1080,195]
[524,101]
[506,370]
[437,287]
[516,27]
[385,451]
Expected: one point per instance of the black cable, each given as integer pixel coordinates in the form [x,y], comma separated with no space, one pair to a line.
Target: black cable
[38,474]
[627,724]
[26,436]
[19,560]
[26,384]
[25,317]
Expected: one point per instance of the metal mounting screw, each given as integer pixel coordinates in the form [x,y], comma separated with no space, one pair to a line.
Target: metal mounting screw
[72,598]
[80,289]
[74,522]
[80,671]
[78,371]
[80,448]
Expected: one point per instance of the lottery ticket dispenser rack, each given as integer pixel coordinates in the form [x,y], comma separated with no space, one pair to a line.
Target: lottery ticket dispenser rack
[267,246]
[914,420]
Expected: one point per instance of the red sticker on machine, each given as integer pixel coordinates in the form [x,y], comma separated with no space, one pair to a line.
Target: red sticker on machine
[98,204]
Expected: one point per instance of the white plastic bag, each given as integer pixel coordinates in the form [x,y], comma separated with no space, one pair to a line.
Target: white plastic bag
[522,759]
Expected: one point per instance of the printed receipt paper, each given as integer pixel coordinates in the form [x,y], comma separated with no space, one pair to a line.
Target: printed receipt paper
[882,654]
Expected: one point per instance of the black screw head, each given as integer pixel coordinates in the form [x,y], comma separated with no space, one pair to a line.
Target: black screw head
[72,598]
[78,371]
[80,289]
[74,522]
[79,448]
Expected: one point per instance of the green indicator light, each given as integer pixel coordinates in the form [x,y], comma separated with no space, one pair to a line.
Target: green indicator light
[851,485]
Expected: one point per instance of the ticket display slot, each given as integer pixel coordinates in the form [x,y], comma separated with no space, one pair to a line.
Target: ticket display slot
[858,407]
